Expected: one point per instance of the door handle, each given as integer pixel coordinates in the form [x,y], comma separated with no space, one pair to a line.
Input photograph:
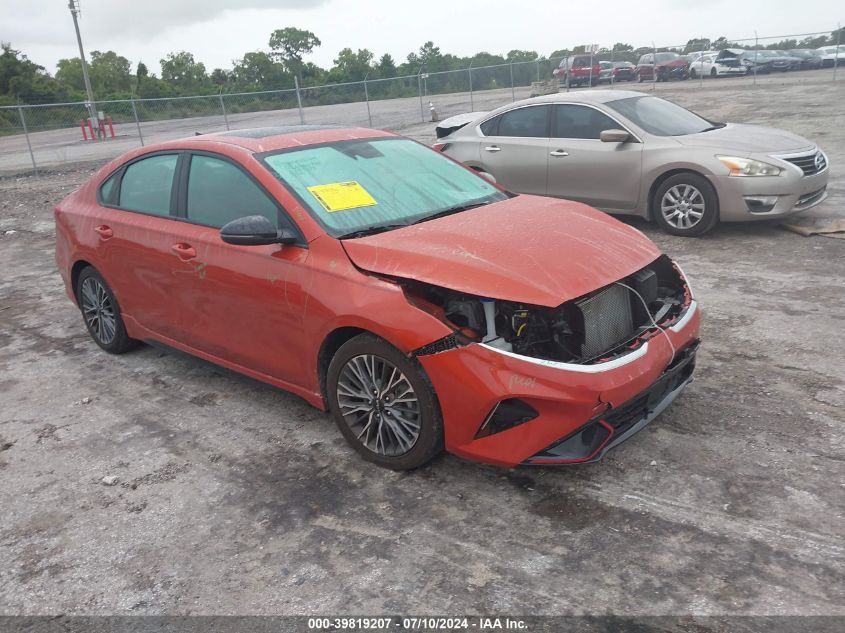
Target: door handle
[104,231]
[559,152]
[492,148]
[184,251]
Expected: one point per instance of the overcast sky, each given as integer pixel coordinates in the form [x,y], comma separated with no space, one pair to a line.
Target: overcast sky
[219,31]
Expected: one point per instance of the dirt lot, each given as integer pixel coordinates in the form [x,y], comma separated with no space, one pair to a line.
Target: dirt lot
[233,497]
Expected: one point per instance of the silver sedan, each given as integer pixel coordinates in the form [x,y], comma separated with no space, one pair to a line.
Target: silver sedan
[631,153]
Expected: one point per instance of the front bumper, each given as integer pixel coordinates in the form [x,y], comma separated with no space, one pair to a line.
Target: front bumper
[792,192]
[470,381]
[607,430]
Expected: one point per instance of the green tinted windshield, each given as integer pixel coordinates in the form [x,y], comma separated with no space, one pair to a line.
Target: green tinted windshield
[357,185]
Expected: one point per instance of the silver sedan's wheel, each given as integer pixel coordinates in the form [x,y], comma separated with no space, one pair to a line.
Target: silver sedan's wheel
[379,404]
[682,206]
[98,311]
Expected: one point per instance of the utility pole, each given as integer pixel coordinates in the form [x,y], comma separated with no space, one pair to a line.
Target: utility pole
[73,5]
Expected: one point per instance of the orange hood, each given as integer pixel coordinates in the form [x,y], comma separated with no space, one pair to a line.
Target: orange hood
[528,249]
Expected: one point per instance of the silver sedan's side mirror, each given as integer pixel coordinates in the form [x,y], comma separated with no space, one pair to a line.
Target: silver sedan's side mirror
[614,136]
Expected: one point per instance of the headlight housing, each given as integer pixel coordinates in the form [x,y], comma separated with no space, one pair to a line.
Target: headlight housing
[745,167]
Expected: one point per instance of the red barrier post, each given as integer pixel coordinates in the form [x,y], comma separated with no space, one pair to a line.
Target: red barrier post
[111,127]
[91,129]
[82,126]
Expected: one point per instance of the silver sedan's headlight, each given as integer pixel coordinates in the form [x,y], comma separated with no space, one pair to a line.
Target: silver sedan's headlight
[748,166]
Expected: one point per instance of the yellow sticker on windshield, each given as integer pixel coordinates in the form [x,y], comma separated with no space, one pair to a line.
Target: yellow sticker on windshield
[341,196]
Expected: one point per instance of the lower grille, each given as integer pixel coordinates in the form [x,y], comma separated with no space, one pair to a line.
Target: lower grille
[810,164]
[809,199]
[607,320]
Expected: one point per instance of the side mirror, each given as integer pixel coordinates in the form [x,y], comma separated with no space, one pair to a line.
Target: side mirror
[255,230]
[614,136]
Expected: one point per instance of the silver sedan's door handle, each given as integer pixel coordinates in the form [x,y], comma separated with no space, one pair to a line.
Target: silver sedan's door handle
[492,148]
[559,152]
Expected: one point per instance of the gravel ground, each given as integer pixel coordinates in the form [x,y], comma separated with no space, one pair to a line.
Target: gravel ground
[225,496]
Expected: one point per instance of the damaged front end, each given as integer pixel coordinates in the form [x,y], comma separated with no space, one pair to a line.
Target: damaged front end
[595,328]
[530,384]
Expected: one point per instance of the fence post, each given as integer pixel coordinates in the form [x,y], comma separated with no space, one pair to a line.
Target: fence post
[513,90]
[299,100]
[701,66]
[367,99]
[756,46]
[471,102]
[28,144]
[223,108]
[836,55]
[653,67]
[137,122]
[419,90]
[537,61]
[612,76]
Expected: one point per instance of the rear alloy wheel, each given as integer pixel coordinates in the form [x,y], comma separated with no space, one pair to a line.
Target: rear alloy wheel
[686,205]
[713,72]
[101,313]
[383,404]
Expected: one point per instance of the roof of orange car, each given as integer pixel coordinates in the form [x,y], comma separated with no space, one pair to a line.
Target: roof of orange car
[268,139]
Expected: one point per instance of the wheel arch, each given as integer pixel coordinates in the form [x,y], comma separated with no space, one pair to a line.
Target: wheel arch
[76,270]
[328,348]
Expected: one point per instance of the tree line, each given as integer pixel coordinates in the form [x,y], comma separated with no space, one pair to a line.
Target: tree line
[113,77]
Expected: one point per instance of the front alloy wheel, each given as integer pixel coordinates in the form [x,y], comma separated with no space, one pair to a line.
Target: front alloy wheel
[379,404]
[686,204]
[384,404]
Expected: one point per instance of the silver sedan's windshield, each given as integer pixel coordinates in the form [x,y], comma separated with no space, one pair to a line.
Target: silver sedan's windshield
[660,117]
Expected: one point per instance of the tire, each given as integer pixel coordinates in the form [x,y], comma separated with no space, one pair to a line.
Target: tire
[677,201]
[713,73]
[101,313]
[350,382]
[639,78]
[693,73]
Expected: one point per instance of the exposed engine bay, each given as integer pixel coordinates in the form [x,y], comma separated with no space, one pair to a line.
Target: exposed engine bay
[596,327]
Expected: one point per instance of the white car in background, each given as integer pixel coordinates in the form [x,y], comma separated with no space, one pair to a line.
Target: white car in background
[830,57]
[717,64]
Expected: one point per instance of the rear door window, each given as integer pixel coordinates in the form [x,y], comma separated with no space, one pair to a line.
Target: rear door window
[531,121]
[147,185]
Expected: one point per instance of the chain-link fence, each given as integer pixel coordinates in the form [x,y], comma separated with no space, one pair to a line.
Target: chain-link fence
[33,136]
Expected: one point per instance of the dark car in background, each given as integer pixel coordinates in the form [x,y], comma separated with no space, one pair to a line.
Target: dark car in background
[794,61]
[578,70]
[662,66]
[809,59]
[754,64]
[616,71]
[624,71]
[776,62]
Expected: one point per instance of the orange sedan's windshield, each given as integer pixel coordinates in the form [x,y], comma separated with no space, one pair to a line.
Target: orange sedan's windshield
[352,187]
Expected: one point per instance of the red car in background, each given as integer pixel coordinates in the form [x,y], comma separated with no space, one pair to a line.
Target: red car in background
[422,305]
[578,70]
[666,66]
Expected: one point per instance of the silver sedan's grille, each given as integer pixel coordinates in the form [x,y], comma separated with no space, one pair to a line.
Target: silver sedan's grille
[810,164]
[608,320]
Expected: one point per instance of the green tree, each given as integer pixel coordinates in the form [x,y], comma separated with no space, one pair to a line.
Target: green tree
[386,66]
[258,71]
[69,72]
[517,55]
[621,47]
[183,72]
[351,66]
[290,45]
[24,80]
[721,43]
[110,74]
[697,44]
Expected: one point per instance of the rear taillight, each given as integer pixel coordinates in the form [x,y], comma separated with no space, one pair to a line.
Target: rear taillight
[441,147]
